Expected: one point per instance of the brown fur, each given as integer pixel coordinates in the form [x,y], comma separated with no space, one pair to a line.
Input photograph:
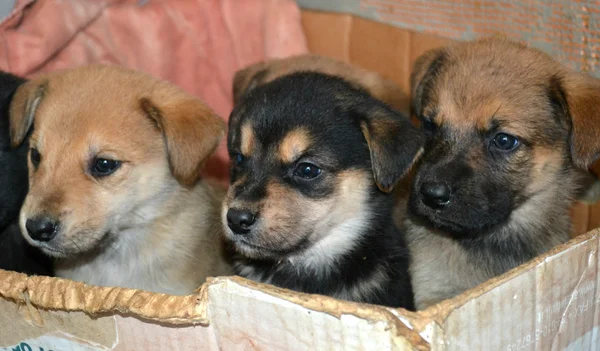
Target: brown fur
[152,224]
[463,89]
[264,72]
[294,144]
[247,143]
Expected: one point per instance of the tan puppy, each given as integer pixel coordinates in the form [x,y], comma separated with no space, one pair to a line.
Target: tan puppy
[115,194]
[509,132]
[383,89]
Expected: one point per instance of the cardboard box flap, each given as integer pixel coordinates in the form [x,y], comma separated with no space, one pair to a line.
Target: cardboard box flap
[256,316]
[551,302]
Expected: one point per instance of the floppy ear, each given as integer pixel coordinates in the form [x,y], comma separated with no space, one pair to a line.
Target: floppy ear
[192,131]
[23,106]
[424,71]
[246,80]
[394,142]
[582,96]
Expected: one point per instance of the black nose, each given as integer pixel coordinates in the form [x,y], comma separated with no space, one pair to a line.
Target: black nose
[240,221]
[435,195]
[41,228]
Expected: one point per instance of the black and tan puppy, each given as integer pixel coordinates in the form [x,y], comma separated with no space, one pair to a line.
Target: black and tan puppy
[15,253]
[509,131]
[308,208]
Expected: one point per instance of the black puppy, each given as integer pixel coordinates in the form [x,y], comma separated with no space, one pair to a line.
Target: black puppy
[15,253]
[309,209]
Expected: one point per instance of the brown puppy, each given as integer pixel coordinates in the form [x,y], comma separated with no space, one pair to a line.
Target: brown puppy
[509,132]
[261,73]
[115,194]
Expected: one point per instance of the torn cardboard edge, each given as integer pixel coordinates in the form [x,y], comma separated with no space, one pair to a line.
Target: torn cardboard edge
[65,295]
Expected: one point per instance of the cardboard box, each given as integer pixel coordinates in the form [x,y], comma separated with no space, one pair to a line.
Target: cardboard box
[550,303]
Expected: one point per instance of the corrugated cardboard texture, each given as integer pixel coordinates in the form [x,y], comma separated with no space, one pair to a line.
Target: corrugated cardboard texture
[568,30]
[62,294]
[392,51]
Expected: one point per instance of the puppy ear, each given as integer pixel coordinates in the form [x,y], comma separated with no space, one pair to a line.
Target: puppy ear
[582,95]
[394,142]
[25,102]
[192,131]
[423,75]
[246,80]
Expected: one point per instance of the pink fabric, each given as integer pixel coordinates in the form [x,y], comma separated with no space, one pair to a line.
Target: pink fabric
[196,44]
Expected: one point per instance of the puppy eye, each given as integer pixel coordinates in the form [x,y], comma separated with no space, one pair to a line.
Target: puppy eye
[505,142]
[102,167]
[307,171]
[35,156]
[428,125]
[238,159]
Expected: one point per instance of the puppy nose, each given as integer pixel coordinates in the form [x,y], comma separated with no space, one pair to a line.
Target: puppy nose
[240,221]
[435,195]
[41,228]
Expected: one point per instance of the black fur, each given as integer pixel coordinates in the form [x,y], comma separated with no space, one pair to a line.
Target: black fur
[481,200]
[335,113]
[15,253]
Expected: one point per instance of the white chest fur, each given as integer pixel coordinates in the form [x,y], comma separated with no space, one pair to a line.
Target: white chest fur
[173,251]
